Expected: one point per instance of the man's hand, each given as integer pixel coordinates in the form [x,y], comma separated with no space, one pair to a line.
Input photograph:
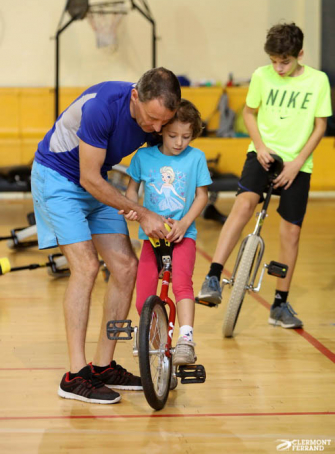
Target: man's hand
[288,174]
[264,157]
[153,224]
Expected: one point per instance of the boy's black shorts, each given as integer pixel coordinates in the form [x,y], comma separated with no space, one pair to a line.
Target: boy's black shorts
[293,201]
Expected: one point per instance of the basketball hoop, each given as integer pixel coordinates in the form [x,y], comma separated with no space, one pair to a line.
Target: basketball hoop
[105,19]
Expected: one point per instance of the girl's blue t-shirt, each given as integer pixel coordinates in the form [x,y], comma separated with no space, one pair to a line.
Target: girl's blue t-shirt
[170,182]
[99,117]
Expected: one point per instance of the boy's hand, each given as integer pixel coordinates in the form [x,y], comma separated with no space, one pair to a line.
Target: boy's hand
[130,216]
[178,229]
[264,157]
[288,174]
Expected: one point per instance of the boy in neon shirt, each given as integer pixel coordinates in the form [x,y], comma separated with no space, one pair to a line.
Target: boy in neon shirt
[293,103]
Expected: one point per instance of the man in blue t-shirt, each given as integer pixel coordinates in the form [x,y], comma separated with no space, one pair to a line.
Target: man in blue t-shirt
[77,210]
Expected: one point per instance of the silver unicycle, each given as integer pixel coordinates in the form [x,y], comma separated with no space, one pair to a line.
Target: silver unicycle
[249,260]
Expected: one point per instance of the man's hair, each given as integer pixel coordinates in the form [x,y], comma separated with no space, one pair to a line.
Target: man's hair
[284,39]
[188,113]
[159,83]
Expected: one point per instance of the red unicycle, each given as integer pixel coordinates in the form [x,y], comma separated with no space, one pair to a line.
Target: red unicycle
[153,337]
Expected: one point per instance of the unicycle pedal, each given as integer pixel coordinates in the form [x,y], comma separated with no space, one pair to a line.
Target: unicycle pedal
[194,373]
[277,269]
[113,330]
[205,303]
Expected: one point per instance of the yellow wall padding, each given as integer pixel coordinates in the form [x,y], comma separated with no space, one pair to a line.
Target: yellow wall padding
[26,114]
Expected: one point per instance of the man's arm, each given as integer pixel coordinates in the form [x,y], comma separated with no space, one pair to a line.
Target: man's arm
[292,168]
[91,160]
[132,194]
[132,190]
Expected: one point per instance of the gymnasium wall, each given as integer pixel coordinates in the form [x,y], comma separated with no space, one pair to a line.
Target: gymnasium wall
[204,40]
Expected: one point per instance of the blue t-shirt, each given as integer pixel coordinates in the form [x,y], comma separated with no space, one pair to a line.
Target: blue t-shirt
[99,117]
[170,182]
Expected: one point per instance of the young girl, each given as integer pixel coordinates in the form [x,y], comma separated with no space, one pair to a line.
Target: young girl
[175,177]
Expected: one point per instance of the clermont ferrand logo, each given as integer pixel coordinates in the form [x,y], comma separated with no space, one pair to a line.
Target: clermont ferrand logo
[303,445]
[285,445]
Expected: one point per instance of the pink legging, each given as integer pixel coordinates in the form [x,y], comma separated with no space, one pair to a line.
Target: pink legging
[183,260]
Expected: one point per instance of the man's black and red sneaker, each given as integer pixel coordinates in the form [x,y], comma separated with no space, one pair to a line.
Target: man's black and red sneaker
[86,387]
[115,376]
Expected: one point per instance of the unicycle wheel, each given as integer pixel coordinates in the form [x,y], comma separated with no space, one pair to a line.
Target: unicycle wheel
[155,366]
[240,286]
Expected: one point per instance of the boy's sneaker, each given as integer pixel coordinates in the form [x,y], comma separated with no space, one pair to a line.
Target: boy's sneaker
[117,377]
[284,315]
[184,353]
[210,292]
[87,388]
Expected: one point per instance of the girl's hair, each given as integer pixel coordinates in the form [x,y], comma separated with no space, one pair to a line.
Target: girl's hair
[188,113]
[284,39]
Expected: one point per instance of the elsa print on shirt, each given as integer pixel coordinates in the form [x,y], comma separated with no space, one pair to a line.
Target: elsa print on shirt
[167,189]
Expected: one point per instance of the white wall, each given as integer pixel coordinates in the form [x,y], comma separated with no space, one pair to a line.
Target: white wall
[203,39]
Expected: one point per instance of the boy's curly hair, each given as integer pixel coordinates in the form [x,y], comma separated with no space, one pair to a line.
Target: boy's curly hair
[188,113]
[284,39]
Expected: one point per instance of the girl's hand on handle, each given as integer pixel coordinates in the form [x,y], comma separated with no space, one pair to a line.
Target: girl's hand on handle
[177,231]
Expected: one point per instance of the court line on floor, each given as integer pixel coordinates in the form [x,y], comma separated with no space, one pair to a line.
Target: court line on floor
[31,368]
[170,415]
[308,337]
[164,433]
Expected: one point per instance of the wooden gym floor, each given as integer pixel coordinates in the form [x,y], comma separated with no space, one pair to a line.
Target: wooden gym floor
[264,386]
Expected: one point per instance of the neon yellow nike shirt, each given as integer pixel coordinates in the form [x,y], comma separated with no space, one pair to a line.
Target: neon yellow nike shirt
[287,109]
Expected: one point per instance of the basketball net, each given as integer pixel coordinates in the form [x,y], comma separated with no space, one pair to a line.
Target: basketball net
[105,23]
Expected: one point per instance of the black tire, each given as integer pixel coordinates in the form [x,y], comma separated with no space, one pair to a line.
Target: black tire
[239,287]
[155,368]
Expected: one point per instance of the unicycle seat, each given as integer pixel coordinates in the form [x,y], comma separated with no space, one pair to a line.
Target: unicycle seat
[276,167]
[163,250]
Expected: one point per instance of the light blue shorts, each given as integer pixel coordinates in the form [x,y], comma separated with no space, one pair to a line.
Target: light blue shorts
[66,213]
